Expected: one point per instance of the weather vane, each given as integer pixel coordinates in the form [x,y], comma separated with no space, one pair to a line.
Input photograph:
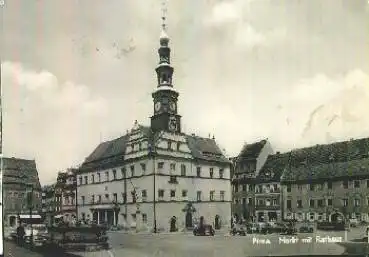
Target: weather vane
[164,14]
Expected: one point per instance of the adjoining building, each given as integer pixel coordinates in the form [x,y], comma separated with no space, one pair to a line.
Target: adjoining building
[65,195]
[157,177]
[247,166]
[48,203]
[327,182]
[21,189]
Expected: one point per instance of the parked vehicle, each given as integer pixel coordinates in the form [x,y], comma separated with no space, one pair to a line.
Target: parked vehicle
[239,230]
[252,228]
[353,222]
[37,233]
[204,230]
[306,227]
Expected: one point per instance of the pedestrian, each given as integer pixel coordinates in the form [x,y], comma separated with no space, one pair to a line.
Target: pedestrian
[20,234]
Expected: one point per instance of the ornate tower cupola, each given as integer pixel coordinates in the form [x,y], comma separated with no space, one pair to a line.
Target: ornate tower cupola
[165,97]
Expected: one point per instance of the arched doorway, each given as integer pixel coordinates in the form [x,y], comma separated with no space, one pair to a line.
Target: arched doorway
[337,217]
[173,224]
[217,222]
[189,220]
[12,221]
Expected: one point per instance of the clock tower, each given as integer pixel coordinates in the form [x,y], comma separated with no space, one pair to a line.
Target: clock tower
[165,96]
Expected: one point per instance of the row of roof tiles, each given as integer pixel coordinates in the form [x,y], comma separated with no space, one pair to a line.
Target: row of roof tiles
[112,151]
[340,159]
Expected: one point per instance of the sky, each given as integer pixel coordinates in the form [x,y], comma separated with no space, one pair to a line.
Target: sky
[78,72]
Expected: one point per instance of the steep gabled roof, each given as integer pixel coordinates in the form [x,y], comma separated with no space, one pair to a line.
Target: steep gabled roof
[205,149]
[273,167]
[252,151]
[20,171]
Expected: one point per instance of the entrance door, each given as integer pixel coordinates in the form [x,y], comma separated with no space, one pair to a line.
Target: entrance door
[173,222]
[189,220]
[217,222]
[12,221]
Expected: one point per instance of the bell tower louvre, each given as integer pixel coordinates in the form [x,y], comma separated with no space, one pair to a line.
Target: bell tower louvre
[165,96]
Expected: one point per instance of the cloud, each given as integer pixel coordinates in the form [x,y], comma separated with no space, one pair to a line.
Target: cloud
[234,16]
[336,108]
[47,119]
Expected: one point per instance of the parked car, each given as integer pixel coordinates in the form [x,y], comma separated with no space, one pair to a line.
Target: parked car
[354,222]
[239,230]
[306,227]
[38,234]
[204,230]
[252,228]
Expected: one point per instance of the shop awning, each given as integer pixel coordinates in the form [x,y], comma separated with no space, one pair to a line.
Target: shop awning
[58,216]
[27,216]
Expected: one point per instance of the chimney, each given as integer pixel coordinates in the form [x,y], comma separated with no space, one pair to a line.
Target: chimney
[209,135]
[193,134]
[278,152]
[213,137]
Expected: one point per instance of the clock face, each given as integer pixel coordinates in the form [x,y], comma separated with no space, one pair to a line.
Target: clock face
[157,106]
[172,123]
[172,106]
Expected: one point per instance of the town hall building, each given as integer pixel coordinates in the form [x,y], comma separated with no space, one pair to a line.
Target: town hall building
[157,177]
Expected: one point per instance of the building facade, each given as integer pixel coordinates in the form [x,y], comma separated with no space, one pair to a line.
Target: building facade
[247,166]
[157,177]
[20,182]
[48,203]
[327,182]
[65,195]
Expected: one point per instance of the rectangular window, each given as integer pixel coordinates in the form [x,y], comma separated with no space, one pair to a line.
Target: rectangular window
[172,193]
[221,173]
[114,174]
[115,197]
[134,196]
[124,197]
[144,217]
[144,193]
[198,171]
[312,187]
[211,172]
[249,201]
[275,202]
[330,202]
[357,202]
[92,199]
[235,188]
[199,196]
[345,184]
[367,183]
[178,146]
[183,170]
[345,202]
[211,196]
[143,167]
[98,177]
[123,170]
[172,167]
[161,165]
[357,184]
[289,204]
[320,203]
[132,170]
[299,203]
[107,176]
[311,203]
[244,188]
[86,180]
[330,185]
[92,178]
[80,180]
[222,195]
[184,193]
[169,145]
[161,193]
[289,188]
[83,200]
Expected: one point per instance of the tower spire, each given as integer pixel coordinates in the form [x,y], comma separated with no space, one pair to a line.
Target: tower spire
[164,39]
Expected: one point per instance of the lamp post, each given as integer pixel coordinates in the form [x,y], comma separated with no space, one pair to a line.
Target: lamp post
[30,206]
[152,152]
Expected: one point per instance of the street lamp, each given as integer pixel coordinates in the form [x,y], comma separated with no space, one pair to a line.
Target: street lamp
[152,152]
